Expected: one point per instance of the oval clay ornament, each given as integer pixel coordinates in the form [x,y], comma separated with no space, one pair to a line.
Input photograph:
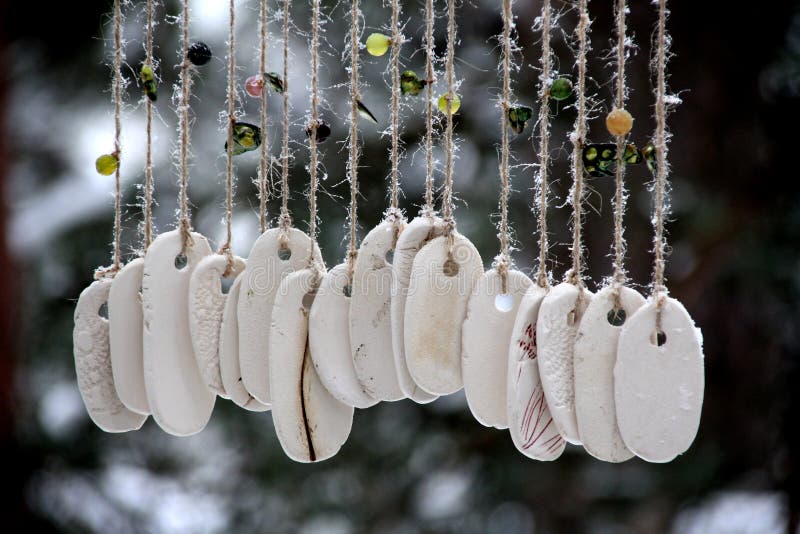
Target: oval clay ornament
[311,425]
[275,254]
[93,363]
[659,389]
[179,399]
[416,233]
[559,318]
[125,336]
[230,372]
[435,310]
[370,323]
[329,340]
[529,420]
[595,356]
[485,338]
[206,303]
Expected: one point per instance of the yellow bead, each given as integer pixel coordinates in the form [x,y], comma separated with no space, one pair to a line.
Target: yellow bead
[106,164]
[378,44]
[619,122]
[454,105]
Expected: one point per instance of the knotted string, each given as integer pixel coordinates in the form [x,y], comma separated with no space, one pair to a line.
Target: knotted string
[620,195]
[312,145]
[504,259]
[148,154]
[397,40]
[183,110]
[660,143]
[353,148]
[285,217]
[263,166]
[544,142]
[430,57]
[447,200]
[231,99]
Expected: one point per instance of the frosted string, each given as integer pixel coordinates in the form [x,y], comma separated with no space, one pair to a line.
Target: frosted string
[263,166]
[312,145]
[620,195]
[504,260]
[447,201]
[353,148]
[429,77]
[148,155]
[397,41]
[231,99]
[285,218]
[544,141]
[659,244]
[183,110]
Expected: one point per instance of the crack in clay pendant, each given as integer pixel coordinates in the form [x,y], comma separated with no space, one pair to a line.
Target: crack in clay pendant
[229,369]
[329,340]
[370,323]
[595,356]
[206,303]
[415,235]
[310,423]
[269,262]
[529,420]
[659,382]
[93,363]
[485,338]
[179,399]
[435,310]
[559,318]
[125,336]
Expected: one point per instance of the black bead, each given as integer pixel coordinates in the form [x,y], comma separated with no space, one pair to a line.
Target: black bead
[199,53]
[323,131]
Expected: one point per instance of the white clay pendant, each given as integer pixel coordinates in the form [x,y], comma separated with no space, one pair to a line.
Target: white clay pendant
[659,389]
[529,420]
[311,425]
[595,356]
[559,318]
[269,262]
[93,363]
[230,372]
[179,399]
[206,303]
[435,310]
[329,340]
[485,338]
[370,323]
[416,233]
[125,336]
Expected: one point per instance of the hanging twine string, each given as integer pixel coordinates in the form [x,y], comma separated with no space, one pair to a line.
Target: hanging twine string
[263,167]
[352,164]
[148,154]
[397,40]
[544,142]
[231,98]
[183,109]
[286,217]
[578,137]
[312,144]
[447,200]
[117,90]
[429,76]
[659,287]
[620,196]
[504,259]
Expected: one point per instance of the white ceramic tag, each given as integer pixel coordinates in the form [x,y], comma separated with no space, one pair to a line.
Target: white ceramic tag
[435,310]
[370,324]
[416,233]
[595,356]
[559,318]
[229,353]
[329,340]
[179,399]
[206,302]
[267,265]
[659,389]
[485,338]
[93,363]
[311,425]
[125,336]
[529,420]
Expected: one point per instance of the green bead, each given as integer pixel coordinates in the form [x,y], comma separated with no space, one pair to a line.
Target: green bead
[246,137]
[410,84]
[561,89]
[106,164]
[649,155]
[454,105]
[149,82]
[275,81]
[378,44]
[518,117]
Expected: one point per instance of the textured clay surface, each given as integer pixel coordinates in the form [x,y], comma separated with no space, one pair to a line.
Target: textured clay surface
[262,277]
[435,310]
[206,302]
[93,363]
[179,399]
[370,316]
[311,425]
[529,420]
[659,389]
[329,340]
[485,338]
[595,356]
[230,371]
[416,233]
[125,336]
[559,318]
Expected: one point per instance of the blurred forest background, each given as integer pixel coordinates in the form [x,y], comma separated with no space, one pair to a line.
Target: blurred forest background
[735,264]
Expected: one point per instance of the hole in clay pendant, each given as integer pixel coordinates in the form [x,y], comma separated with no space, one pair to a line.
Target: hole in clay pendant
[225,283]
[347,290]
[504,302]
[389,256]
[616,317]
[181,261]
[658,338]
[103,310]
[284,253]
[450,267]
[308,300]
[571,318]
